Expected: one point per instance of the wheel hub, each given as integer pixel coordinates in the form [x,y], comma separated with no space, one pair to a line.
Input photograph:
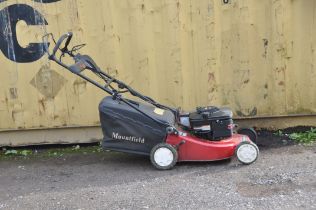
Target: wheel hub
[247,153]
[163,157]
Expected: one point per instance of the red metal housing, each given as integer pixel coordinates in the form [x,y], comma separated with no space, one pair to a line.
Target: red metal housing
[197,149]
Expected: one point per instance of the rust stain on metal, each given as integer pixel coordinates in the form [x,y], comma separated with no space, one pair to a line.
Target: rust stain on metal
[211,76]
[42,104]
[250,113]
[80,86]
[265,46]
[281,83]
[17,115]
[13,93]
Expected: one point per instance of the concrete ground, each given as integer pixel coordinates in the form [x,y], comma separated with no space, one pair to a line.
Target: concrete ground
[284,177]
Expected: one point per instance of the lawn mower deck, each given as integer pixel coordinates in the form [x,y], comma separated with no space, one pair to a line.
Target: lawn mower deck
[146,127]
[196,149]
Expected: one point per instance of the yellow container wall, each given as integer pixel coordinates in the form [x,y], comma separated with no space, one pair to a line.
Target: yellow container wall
[257,57]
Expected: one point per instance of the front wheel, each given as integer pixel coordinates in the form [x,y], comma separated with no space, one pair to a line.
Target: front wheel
[247,152]
[163,156]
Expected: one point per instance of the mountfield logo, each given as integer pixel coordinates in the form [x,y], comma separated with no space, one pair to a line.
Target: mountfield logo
[128,138]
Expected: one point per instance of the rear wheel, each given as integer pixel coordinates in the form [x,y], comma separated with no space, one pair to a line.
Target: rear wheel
[247,152]
[250,132]
[163,156]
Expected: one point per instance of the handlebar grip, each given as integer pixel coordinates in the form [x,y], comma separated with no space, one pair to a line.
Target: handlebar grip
[61,39]
[68,39]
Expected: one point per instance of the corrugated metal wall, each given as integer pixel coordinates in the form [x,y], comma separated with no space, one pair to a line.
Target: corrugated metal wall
[255,56]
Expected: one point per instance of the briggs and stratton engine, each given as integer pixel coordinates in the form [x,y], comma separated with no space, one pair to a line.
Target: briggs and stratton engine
[209,122]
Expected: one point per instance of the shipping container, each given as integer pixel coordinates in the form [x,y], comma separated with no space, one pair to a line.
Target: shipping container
[257,57]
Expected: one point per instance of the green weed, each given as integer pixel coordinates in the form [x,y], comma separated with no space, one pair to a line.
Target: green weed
[307,137]
[51,152]
[279,133]
[14,152]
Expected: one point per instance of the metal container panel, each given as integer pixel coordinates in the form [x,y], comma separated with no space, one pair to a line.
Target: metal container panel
[257,57]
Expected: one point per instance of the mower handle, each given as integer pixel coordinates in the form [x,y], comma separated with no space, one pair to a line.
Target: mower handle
[81,62]
[67,36]
[52,56]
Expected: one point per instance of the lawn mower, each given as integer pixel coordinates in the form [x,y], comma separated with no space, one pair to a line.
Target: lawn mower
[143,126]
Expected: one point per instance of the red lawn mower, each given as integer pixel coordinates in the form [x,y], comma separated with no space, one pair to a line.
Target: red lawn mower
[148,128]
